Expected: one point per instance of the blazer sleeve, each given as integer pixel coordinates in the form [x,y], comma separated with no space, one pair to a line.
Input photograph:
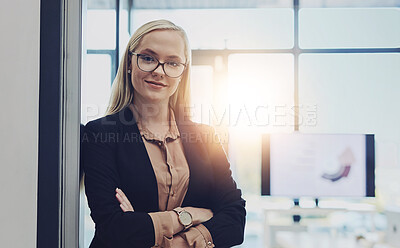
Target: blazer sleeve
[227,225]
[114,228]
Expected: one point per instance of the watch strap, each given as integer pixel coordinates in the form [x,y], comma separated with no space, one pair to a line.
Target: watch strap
[178,211]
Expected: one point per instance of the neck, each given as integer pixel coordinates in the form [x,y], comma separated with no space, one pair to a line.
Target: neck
[152,113]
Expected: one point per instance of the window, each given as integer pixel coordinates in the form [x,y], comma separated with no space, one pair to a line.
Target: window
[308,66]
[228,28]
[349,28]
[101,48]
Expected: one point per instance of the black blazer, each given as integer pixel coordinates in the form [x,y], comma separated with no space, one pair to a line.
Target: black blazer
[114,155]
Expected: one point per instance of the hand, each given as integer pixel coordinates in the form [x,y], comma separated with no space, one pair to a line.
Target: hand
[125,204]
[199,215]
[179,242]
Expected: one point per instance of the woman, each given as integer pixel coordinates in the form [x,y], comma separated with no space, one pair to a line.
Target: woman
[152,177]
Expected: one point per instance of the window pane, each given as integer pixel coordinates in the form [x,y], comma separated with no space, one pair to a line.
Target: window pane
[357,93]
[101,30]
[100,4]
[96,89]
[349,3]
[146,4]
[263,84]
[228,28]
[260,99]
[123,27]
[201,82]
[363,88]
[349,28]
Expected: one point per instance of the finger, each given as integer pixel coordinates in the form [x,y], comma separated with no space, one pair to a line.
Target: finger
[125,199]
[119,197]
[122,201]
[125,202]
[123,208]
[123,195]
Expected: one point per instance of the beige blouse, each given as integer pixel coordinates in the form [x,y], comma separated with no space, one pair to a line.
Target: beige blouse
[172,174]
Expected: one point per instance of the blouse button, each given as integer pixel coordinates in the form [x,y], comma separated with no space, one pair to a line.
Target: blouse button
[209,243]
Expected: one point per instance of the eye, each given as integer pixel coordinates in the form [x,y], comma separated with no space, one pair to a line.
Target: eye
[173,63]
[147,58]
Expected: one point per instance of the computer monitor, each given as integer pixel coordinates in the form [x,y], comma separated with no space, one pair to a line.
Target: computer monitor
[318,165]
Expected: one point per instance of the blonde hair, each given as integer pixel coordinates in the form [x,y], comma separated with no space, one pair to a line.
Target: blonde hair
[122,89]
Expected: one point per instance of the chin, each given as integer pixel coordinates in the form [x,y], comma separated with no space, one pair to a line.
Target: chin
[156,99]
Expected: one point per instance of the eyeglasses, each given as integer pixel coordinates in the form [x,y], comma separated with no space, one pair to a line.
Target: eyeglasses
[149,63]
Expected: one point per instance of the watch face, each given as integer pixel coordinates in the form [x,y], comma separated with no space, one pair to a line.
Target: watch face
[186,218]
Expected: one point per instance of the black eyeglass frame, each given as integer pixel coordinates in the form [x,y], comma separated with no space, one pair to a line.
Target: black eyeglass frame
[159,63]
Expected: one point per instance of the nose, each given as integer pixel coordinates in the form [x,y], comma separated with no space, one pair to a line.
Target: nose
[159,70]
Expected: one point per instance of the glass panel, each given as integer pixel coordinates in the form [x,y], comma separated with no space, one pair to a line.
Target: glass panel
[201,93]
[349,28]
[195,4]
[349,3]
[260,100]
[95,91]
[228,28]
[263,84]
[100,4]
[101,29]
[123,27]
[357,93]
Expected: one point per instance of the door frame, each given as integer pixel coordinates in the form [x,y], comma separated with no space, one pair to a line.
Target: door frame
[59,119]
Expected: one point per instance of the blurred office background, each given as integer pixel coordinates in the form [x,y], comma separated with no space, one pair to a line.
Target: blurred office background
[273,66]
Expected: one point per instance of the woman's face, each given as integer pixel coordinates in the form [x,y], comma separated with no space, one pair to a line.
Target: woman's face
[157,87]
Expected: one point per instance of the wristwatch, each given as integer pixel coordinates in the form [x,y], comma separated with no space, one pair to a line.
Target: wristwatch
[184,217]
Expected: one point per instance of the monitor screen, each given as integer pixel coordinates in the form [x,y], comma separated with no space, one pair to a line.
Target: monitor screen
[318,165]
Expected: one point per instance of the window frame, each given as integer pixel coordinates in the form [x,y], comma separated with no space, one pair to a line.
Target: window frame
[59,111]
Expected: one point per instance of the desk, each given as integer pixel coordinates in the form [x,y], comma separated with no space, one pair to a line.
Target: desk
[297,234]
[323,240]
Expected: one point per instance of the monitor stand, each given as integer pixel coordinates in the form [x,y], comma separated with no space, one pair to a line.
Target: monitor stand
[296,202]
[296,217]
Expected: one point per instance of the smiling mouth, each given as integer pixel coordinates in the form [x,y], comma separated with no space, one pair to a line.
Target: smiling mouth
[155,83]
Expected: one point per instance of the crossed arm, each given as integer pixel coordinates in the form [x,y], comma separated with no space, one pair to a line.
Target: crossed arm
[118,225]
[199,216]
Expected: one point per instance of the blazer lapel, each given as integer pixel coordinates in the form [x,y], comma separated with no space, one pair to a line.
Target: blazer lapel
[138,172]
[199,165]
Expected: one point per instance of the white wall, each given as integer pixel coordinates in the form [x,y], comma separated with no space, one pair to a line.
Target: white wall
[19,109]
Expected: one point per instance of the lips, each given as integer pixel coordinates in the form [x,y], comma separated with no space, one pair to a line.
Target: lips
[155,83]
